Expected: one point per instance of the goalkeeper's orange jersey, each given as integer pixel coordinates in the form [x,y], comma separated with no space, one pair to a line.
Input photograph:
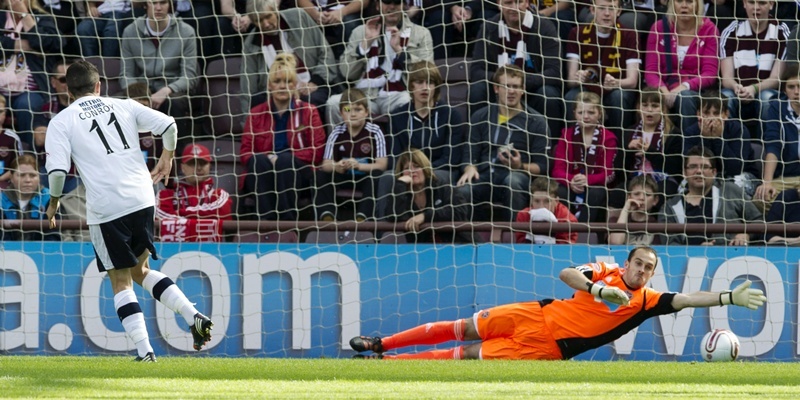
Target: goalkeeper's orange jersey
[585,322]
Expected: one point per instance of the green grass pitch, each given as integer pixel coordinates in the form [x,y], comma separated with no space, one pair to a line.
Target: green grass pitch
[238,378]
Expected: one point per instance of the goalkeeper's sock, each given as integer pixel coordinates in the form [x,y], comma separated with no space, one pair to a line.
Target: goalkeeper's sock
[430,333]
[164,290]
[130,314]
[456,353]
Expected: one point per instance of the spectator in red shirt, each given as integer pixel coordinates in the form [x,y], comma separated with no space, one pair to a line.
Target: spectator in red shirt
[584,160]
[282,145]
[545,207]
[195,198]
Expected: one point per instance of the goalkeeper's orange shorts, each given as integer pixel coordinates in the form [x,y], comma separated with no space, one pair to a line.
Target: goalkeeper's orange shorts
[515,332]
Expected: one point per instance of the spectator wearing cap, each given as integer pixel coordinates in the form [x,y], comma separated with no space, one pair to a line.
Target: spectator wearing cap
[195,202]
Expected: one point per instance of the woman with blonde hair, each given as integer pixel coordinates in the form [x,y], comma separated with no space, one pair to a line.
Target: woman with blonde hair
[30,34]
[282,145]
[419,197]
[682,58]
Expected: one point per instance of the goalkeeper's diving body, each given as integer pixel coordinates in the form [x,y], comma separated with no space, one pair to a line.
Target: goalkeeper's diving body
[101,136]
[609,301]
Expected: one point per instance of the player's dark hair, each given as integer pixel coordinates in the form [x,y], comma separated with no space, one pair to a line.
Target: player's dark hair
[645,248]
[82,77]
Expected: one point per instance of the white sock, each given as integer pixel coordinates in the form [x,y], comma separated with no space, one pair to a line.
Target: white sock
[130,314]
[164,290]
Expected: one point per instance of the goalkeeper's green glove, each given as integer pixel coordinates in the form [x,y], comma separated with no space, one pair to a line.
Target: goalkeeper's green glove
[743,296]
[610,293]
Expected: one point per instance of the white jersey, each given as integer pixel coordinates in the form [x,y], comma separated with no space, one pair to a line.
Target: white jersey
[101,135]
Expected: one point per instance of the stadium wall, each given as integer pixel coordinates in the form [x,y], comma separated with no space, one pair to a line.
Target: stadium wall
[306,300]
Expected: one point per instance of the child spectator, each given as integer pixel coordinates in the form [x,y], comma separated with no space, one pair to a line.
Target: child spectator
[727,139]
[642,198]
[781,140]
[603,58]
[545,207]
[24,198]
[354,155]
[584,160]
[195,204]
[650,148]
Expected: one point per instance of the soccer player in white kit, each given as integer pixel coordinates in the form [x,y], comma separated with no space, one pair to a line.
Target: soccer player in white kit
[101,135]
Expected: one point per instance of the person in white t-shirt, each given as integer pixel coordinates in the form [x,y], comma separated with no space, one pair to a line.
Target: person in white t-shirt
[101,136]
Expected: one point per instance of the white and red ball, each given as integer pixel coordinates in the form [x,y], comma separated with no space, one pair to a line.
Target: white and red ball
[719,345]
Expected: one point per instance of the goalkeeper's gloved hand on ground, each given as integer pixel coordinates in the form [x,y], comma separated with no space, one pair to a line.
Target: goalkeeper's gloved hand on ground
[743,296]
[609,293]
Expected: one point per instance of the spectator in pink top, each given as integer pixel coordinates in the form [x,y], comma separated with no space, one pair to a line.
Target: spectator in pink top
[690,65]
[584,160]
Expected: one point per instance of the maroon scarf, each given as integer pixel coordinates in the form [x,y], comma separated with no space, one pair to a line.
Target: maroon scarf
[584,158]
[656,145]
[379,52]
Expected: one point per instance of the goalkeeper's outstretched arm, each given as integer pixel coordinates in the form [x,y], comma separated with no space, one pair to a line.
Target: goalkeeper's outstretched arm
[742,296]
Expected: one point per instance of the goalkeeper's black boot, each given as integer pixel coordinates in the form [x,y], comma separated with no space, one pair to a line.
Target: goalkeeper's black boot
[366,343]
[201,330]
[149,357]
[376,356]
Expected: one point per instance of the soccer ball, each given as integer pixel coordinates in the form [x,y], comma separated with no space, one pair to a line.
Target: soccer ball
[719,345]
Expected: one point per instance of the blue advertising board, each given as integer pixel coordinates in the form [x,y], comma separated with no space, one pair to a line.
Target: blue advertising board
[304,300]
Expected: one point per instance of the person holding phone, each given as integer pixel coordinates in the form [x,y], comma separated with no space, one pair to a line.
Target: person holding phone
[507,145]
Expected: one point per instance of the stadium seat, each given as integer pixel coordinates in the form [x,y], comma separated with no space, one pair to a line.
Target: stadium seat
[588,238]
[454,69]
[393,238]
[110,69]
[221,85]
[268,237]
[455,74]
[346,237]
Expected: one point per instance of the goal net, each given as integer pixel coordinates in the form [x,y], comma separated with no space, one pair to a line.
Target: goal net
[363,167]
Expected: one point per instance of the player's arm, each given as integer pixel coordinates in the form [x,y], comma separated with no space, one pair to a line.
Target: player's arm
[164,165]
[580,279]
[56,181]
[742,296]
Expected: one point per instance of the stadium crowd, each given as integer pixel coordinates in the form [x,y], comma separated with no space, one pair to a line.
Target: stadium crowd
[419,111]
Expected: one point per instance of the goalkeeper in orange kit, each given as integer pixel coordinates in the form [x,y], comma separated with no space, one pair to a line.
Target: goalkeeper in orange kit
[609,301]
